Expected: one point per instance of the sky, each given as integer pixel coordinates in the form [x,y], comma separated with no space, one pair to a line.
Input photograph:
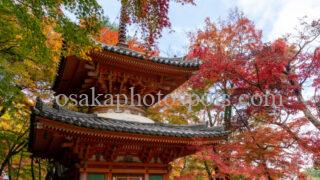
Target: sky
[274,17]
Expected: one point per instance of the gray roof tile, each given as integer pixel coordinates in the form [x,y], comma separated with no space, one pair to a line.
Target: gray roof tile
[170,61]
[93,121]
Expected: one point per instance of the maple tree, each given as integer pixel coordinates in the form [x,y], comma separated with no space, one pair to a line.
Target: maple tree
[236,55]
[237,62]
[109,36]
[266,141]
[150,15]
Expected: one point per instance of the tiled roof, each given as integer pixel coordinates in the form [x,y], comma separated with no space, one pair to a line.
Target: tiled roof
[93,121]
[175,61]
[193,64]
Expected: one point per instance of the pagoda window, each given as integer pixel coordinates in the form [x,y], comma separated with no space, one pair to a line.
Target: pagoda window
[155,177]
[96,176]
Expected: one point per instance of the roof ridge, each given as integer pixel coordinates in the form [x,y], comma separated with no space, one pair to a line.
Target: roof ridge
[193,63]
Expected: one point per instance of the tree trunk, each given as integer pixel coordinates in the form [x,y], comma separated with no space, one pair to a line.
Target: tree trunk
[3,111]
[207,168]
[32,168]
[300,141]
[10,168]
[313,119]
[227,117]
[228,108]
[184,166]
[4,164]
[39,166]
[266,171]
[209,116]
[12,151]
[19,167]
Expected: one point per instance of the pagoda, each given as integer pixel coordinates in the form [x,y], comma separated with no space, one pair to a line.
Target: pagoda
[116,143]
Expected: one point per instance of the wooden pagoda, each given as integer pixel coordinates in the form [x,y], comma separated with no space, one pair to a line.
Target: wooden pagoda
[108,144]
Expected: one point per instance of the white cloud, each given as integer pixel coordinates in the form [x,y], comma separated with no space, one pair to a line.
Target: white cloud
[290,13]
[262,12]
[279,17]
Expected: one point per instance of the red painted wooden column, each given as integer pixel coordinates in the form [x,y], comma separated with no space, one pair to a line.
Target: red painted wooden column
[109,176]
[83,175]
[146,176]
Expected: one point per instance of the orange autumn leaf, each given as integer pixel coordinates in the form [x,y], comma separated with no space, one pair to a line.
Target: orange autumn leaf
[110,37]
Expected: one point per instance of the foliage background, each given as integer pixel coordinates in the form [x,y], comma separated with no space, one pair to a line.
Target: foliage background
[35,34]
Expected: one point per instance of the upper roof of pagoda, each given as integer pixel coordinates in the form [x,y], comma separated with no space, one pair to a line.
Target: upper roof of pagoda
[175,61]
[75,74]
